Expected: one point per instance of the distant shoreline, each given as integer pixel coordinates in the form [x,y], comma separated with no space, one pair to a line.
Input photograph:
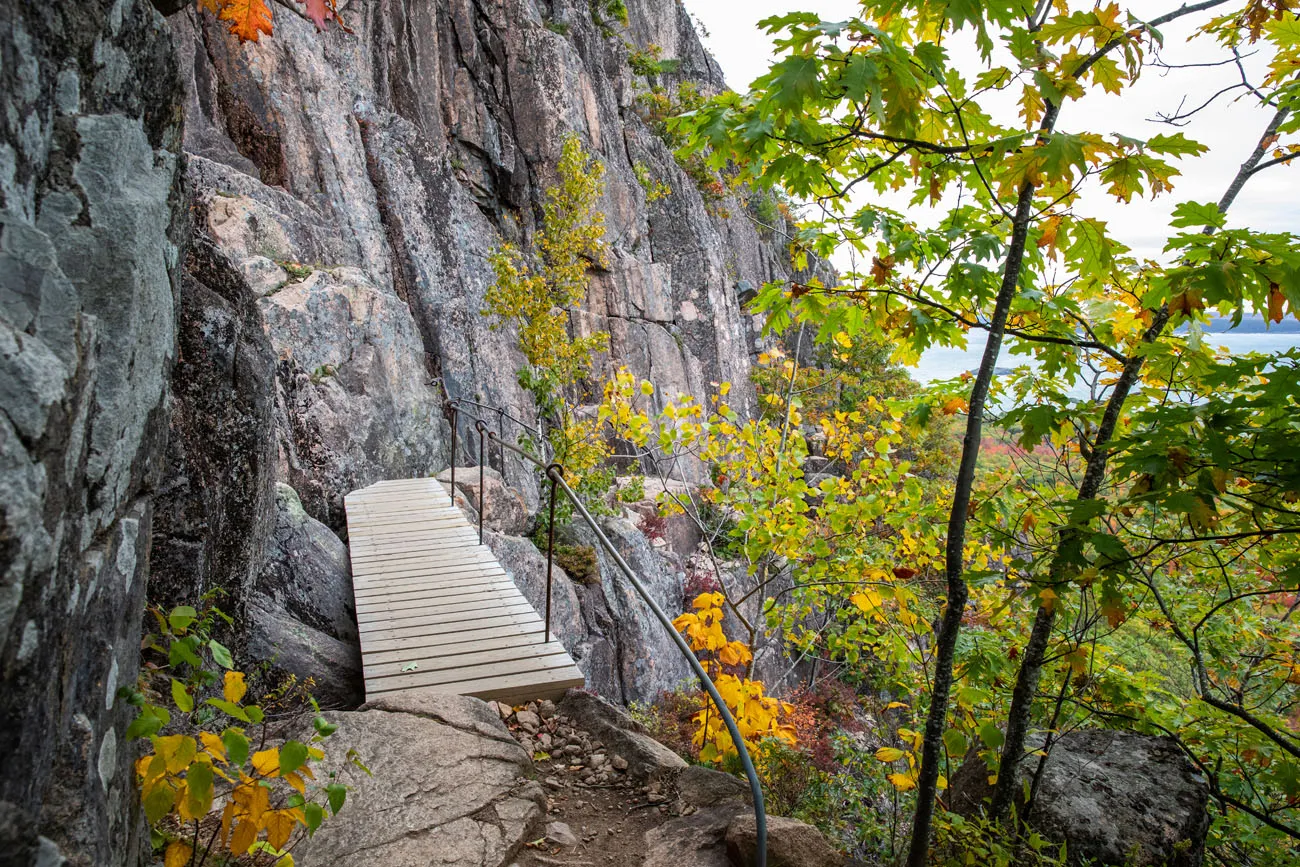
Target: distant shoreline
[1251,324]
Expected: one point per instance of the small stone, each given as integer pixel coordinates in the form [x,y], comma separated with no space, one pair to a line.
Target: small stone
[546,710]
[532,707]
[529,720]
[597,760]
[619,763]
[573,750]
[551,782]
[655,798]
[561,834]
[544,741]
[503,710]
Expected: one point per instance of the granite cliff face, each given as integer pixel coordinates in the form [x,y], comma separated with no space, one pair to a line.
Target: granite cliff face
[90,237]
[346,192]
[208,337]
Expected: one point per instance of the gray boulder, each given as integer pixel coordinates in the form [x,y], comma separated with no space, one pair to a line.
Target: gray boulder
[505,510]
[697,840]
[302,618]
[1112,797]
[441,791]
[790,843]
[698,786]
[306,570]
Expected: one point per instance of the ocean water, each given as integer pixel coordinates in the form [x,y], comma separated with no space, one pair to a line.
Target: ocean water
[945,362]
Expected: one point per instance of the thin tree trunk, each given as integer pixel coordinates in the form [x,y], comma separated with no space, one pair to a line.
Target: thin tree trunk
[954,552]
[1068,548]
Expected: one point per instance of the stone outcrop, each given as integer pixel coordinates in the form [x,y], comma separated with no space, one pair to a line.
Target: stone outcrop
[446,787]
[302,617]
[91,227]
[346,191]
[1112,797]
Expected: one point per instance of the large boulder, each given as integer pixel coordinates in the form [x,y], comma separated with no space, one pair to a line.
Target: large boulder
[302,616]
[91,229]
[1112,797]
[446,787]
[504,507]
[790,843]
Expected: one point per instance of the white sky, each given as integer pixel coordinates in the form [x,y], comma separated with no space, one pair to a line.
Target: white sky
[1230,128]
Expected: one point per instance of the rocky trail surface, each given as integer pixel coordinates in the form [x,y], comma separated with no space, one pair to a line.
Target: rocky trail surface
[459,783]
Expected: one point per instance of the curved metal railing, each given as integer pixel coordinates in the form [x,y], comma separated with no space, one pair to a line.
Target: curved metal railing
[555,473]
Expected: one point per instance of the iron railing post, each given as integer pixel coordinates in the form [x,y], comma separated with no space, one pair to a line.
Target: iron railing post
[550,547]
[482,492]
[501,435]
[455,423]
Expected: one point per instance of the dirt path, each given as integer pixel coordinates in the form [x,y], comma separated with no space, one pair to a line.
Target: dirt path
[596,815]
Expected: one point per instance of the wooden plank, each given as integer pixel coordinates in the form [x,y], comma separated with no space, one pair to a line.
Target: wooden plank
[498,599]
[448,620]
[424,636]
[441,550]
[418,542]
[514,687]
[522,641]
[447,662]
[381,598]
[386,601]
[383,572]
[367,588]
[390,532]
[476,672]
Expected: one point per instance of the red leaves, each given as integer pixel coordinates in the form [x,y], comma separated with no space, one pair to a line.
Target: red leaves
[248,20]
[319,12]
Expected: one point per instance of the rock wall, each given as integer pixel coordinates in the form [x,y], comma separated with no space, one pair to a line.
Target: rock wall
[90,202]
[347,189]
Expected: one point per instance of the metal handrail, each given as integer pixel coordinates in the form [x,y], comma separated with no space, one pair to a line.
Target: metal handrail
[555,472]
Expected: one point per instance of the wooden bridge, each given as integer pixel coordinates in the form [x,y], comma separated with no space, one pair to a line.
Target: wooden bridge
[434,607]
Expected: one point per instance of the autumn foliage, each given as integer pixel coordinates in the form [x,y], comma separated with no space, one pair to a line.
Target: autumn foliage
[758,716]
[249,20]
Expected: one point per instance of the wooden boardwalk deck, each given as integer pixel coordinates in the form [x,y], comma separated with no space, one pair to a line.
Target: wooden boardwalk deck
[435,609]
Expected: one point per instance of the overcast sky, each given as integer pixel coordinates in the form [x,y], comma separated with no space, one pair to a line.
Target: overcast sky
[1231,127]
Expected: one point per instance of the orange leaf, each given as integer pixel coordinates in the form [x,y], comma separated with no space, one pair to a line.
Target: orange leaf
[1276,304]
[954,406]
[248,19]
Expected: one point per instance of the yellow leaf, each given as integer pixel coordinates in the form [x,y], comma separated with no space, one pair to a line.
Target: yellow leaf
[889,754]
[234,687]
[954,406]
[279,827]
[1047,597]
[868,600]
[902,782]
[214,746]
[243,837]
[296,782]
[177,751]
[178,854]
[285,861]
[267,762]
[894,704]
